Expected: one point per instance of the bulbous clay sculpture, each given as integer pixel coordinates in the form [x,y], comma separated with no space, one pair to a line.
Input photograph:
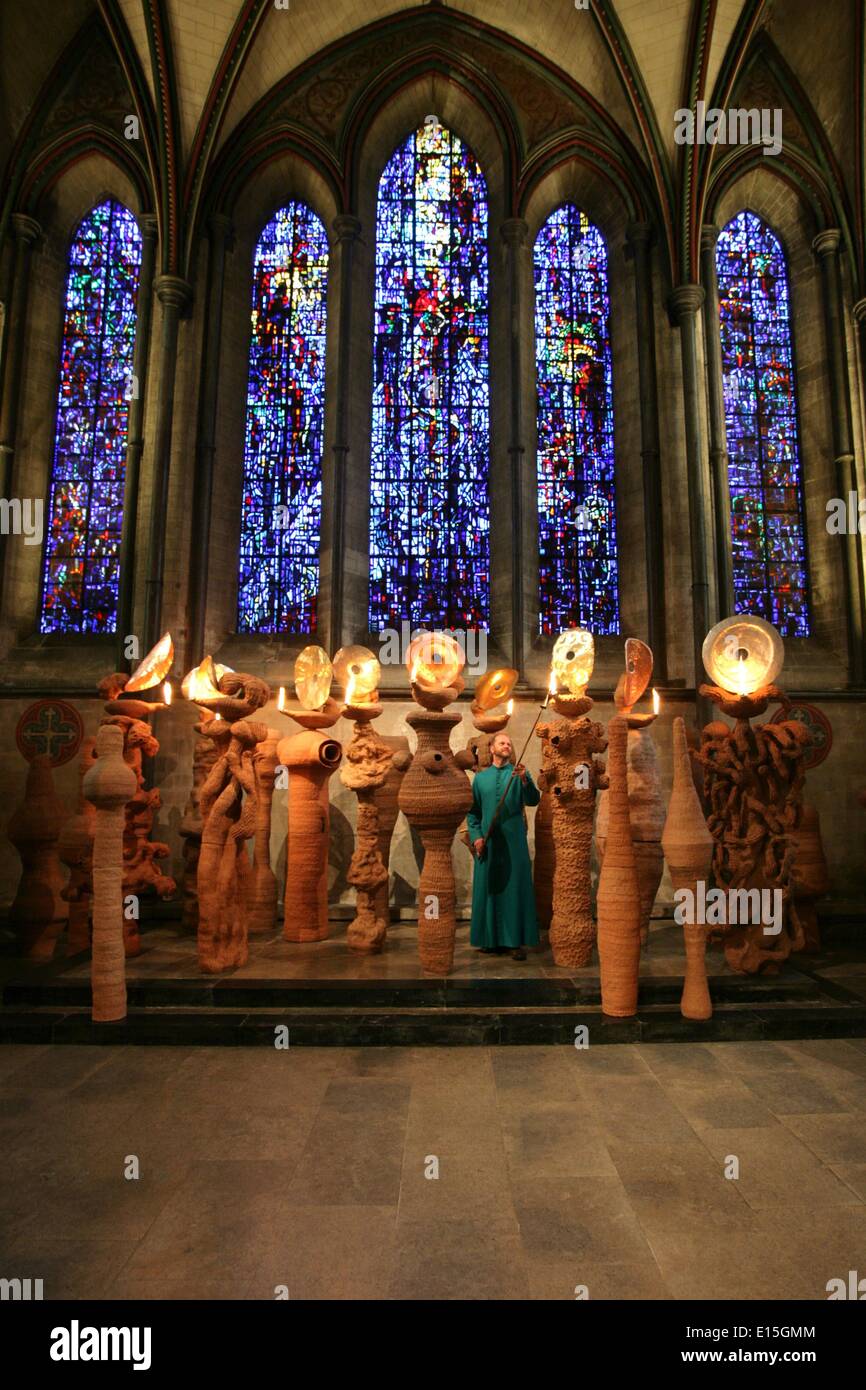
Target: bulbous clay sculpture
[228,806]
[572,774]
[75,847]
[108,786]
[688,849]
[311,758]
[263,885]
[647,813]
[435,797]
[204,755]
[369,770]
[618,901]
[38,914]
[544,866]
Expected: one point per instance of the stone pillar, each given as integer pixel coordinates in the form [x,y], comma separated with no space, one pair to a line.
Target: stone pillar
[718,433]
[685,301]
[639,239]
[135,436]
[514,233]
[174,295]
[220,233]
[27,232]
[346,230]
[826,248]
[859,464]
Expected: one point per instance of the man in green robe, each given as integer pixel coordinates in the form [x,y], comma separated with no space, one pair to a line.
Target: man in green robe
[503,900]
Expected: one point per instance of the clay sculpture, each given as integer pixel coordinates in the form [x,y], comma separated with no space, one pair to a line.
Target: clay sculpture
[688,849]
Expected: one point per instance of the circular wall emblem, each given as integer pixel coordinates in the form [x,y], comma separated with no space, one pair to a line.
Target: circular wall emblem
[819,727]
[49,726]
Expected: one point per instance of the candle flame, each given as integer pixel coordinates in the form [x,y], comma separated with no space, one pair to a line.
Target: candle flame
[166,693]
[281,698]
[413,674]
[350,688]
[551,684]
[510,708]
[742,680]
[657,704]
[217,716]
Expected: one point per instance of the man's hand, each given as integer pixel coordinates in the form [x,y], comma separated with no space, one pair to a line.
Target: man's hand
[521,772]
[477,848]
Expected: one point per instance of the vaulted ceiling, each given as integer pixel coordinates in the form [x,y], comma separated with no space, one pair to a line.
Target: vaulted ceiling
[218,87]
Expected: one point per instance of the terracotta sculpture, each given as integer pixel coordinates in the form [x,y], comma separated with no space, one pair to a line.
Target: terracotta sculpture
[39,913]
[811,877]
[130,701]
[373,769]
[311,758]
[544,866]
[754,781]
[618,901]
[263,885]
[204,754]
[228,807]
[109,785]
[646,807]
[572,774]
[76,851]
[688,848]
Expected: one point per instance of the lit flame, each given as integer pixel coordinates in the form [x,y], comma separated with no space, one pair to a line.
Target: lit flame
[281,698]
[166,693]
[551,684]
[657,703]
[217,716]
[350,688]
[413,674]
[510,708]
[742,680]
[199,683]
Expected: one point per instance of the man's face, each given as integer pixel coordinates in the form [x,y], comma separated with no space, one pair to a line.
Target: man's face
[501,747]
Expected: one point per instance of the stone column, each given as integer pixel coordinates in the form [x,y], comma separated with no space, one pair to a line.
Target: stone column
[859,465]
[639,239]
[826,248]
[718,433]
[174,295]
[220,233]
[27,232]
[515,232]
[685,301]
[135,436]
[346,230]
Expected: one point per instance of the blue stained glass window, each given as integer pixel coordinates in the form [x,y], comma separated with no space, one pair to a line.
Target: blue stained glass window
[282,491]
[429,513]
[768,533]
[578,573]
[81,569]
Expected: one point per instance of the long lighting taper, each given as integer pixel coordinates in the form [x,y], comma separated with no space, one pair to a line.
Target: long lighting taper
[551,690]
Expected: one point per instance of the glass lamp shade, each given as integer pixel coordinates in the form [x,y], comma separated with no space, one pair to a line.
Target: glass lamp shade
[495,687]
[573,659]
[155,666]
[434,659]
[638,670]
[742,654]
[313,676]
[357,671]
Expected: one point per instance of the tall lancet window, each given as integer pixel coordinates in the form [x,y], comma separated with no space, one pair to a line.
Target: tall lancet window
[768,534]
[278,582]
[81,569]
[578,572]
[429,513]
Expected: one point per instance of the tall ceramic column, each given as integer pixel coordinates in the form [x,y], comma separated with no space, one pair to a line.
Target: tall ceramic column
[175,295]
[135,438]
[639,239]
[514,233]
[335,533]
[718,433]
[685,301]
[27,232]
[826,248]
[108,786]
[220,232]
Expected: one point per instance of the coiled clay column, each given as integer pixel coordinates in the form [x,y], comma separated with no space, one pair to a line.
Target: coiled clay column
[434,797]
[263,886]
[544,867]
[76,851]
[311,758]
[108,786]
[618,902]
[688,848]
[370,771]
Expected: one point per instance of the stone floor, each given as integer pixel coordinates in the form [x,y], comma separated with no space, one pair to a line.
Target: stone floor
[556,1168]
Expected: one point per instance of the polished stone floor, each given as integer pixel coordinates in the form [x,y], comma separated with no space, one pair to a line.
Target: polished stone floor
[556,1168]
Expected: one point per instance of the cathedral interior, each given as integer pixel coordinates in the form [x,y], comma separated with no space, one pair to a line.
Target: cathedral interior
[376,382]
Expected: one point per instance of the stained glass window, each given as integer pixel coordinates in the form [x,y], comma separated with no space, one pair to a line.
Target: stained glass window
[578,574]
[282,490]
[82,549]
[768,534]
[429,513]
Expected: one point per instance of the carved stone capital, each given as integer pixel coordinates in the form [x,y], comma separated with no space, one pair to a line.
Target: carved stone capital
[26,228]
[514,231]
[346,228]
[826,243]
[173,292]
[685,299]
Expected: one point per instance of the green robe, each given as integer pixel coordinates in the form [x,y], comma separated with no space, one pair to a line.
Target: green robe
[503,900]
